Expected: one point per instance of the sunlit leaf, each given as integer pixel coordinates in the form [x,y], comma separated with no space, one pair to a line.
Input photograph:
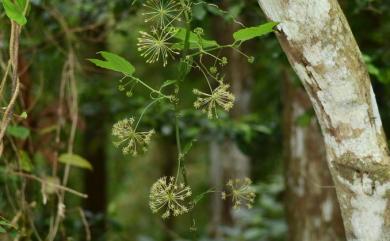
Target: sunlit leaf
[253,32]
[14,11]
[75,160]
[195,41]
[23,115]
[114,62]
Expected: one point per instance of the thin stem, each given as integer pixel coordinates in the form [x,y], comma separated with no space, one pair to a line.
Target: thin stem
[145,109]
[14,53]
[181,167]
[42,181]
[149,87]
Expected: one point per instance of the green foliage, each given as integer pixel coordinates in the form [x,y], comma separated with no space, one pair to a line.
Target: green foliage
[195,40]
[19,132]
[25,161]
[253,32]
[15,11]
[75,160]
[7,227]
[114,62]
[162,100]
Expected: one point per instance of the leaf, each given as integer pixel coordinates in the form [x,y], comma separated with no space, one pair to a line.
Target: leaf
[2,230]
[262,129]
[253,32]
[114,62]
[19,132]
[14,11]
[75,160]
[195,41]
[23,115]
[25,161]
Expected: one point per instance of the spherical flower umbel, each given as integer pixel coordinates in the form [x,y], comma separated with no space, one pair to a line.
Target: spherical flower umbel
[129,138]
[169,198]
[241,192]
[156,45]
[208,103]
[162,12]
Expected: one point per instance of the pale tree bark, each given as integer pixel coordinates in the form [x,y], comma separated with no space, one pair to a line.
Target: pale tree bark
[312,210]
[320,46]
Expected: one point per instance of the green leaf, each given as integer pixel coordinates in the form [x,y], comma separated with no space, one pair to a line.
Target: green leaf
[18,132]
[2,230]
[114,62]
[253,32]
[14,11]
[195,41]
[22,3]
[75,160]
[262,129]
[25,161]
[23,115]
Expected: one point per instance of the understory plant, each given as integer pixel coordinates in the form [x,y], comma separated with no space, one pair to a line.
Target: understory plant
[170,37]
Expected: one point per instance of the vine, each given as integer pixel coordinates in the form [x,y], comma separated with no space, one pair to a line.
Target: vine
[170,33]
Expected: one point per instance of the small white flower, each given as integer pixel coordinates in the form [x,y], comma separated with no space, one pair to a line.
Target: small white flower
[162,12]
[241,192]
[155,46]
[208,103]
[168,197]
[130,138]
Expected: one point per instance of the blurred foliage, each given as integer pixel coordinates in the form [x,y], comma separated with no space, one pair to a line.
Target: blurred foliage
[113,26]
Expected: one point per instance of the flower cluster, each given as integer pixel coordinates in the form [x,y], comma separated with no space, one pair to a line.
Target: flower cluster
[241,192]
[169,197]
[130,138]
[156,45]
[163,14]
[208,103]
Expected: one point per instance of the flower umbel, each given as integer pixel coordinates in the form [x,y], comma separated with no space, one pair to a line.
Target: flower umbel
[130,138]
[241,192]
[156,45]
[208,103]
[162,12]
[169,197]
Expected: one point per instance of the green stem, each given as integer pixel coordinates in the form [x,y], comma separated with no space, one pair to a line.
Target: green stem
[148,87]
[145,109]
[183,66]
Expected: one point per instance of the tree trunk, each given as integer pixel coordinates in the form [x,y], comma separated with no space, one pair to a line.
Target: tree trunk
[312,210]
[96,181]
[320,46]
